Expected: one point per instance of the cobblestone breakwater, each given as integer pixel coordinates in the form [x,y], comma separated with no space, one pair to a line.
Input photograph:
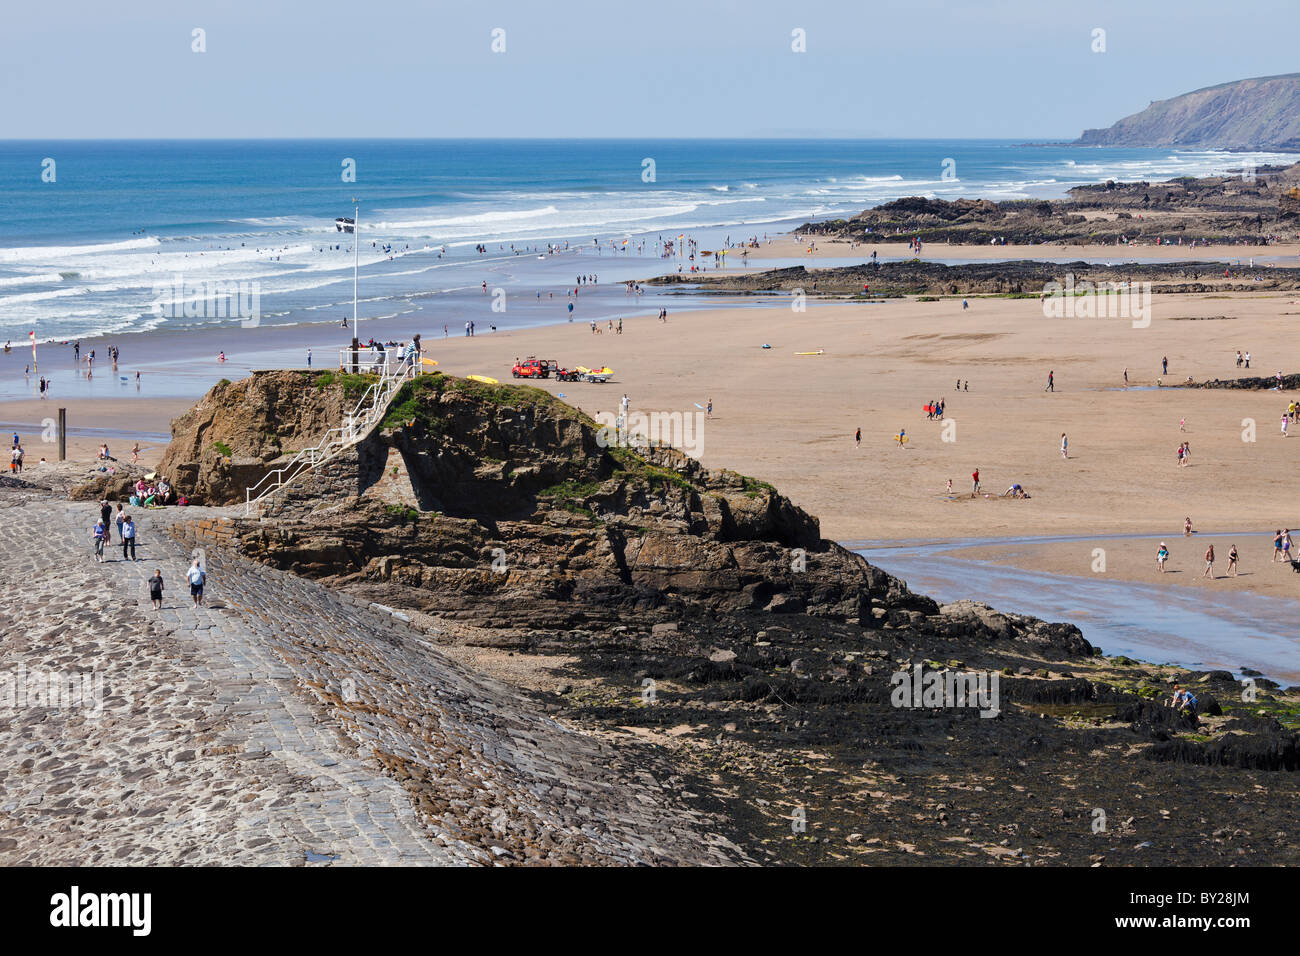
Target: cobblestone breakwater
[280,723]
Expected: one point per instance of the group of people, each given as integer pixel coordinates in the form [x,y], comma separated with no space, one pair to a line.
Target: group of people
[1282,544]
[148,495]
[1162,556]
[935,409]
[102,536]
[16,456]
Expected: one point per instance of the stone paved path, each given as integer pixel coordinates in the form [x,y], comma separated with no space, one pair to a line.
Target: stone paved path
[281,724]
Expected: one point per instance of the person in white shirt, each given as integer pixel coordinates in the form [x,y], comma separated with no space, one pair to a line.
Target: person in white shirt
[197,578]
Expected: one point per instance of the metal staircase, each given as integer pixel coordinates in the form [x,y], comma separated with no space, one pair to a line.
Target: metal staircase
[369,411]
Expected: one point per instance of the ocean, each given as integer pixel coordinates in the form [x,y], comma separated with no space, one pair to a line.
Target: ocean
[91,240]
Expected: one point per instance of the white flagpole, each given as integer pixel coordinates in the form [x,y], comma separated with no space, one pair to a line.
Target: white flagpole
[356,259]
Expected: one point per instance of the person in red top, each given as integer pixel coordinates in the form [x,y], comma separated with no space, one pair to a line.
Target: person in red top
[975,487]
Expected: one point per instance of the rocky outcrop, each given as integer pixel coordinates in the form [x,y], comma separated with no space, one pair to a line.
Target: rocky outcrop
[1244,207]
[239,430]
[504,508]
[1017,277]
[1252,383]
[1258,113]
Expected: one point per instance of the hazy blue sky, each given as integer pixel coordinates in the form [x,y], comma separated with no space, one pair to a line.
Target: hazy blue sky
[873,68]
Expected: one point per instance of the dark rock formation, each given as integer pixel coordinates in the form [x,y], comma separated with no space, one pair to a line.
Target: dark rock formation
[1244,208]
[1017,278]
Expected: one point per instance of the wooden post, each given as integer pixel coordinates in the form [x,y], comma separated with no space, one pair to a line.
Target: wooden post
[63,434]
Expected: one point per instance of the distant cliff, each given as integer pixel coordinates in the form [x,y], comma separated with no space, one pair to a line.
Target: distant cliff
[1259,113]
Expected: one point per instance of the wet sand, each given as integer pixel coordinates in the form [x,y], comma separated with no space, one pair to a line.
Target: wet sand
[1127,559]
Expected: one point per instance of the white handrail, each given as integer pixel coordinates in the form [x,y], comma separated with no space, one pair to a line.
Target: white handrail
[368,411]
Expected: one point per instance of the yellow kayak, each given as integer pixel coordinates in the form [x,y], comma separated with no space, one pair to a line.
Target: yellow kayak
[425,361]
[483,378]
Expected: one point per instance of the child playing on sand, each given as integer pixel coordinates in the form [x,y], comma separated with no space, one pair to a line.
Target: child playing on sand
[156,589]
[1162,555]
[975,482]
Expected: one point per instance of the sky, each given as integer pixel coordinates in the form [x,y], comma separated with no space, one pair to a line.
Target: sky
[1020,69]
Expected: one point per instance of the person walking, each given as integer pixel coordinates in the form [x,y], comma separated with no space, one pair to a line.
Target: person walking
[1051,381]
[1065,446]
[128,539]
[156,589]
[197,578]
[975,482]
[309,358]
[98,535]
[1164,365]
[1209,563]
[1162,555]
[121,517]
[106,517]
[1232,561]
[709,412]
[857,438]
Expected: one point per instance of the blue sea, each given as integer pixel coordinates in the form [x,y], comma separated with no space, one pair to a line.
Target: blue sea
[86,253]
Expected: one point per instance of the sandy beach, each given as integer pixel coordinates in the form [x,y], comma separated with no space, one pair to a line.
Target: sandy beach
[790,419]
[119,422]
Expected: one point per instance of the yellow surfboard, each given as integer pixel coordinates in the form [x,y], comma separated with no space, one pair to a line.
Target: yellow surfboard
[426,361]
[818,352]
[483,378]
